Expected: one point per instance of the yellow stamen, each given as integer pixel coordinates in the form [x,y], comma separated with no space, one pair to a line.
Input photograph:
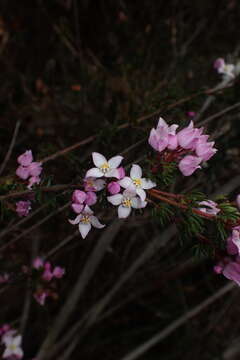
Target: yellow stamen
[105,167]
[127,202]
[85,219]
[137,182]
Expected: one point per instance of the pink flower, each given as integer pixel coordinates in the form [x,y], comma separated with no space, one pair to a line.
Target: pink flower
[189,164]
[22,172]
[204,149]
[232,272]
[209,207]
[219,63]
[33,180]
[40,297]
[93,184]
[23,207]
[188,136]
[47,275]
[233,242]
[35,169]
[26,158]
[5,328]
[79,196]
[38,263]
[163,136]
[58,272]
[91,198]
[113,188]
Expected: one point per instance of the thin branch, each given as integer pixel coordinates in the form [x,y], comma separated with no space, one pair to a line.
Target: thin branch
[10,149]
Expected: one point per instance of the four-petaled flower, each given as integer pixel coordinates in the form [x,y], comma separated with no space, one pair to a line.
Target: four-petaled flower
[126,201]
[13,346]
[104,167]
[137,182]
[85,221]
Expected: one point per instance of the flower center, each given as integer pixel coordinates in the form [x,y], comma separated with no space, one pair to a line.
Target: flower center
[105,167]
[12,347]
[137,182]
[85,219]
[127,202]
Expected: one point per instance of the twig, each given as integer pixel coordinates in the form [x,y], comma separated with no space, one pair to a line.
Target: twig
[10,149]
[142,349]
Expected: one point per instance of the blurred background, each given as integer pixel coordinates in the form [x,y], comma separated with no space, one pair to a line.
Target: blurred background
[72,69]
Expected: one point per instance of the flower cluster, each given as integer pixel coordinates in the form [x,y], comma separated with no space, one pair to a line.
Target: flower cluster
[189,146]
[12,342]
[29,169]
[133,195]
[45,276]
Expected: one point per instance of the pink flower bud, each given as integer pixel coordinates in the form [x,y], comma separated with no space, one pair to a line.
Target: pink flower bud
[47,275]
[121,173]
[23,208]
[91,198]
[189,164]
[79,196]
[26,158]
[77,208]
[191,114]
[22,172]
[218,269]
[35,169]
[219,63]
[38,263]
[113,188]
[58,272]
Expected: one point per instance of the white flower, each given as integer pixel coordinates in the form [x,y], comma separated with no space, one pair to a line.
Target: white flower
[13,346]
[137,182]
[104,167]
[228,70]
[85,221]
[126,201]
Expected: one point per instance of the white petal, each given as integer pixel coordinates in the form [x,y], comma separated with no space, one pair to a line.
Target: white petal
[141,193]
[18,352]
[99,184]
[7,353]
[76,220]
[87,210]
[123,212]
[115,199]
[147,183]
[136,172]
[17,340]
[98,159]
[112,173]
[162,123]
[137,203]
[96,223]
[125,182]
[84,229]
[94,172]
[115,161]
[130,192]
